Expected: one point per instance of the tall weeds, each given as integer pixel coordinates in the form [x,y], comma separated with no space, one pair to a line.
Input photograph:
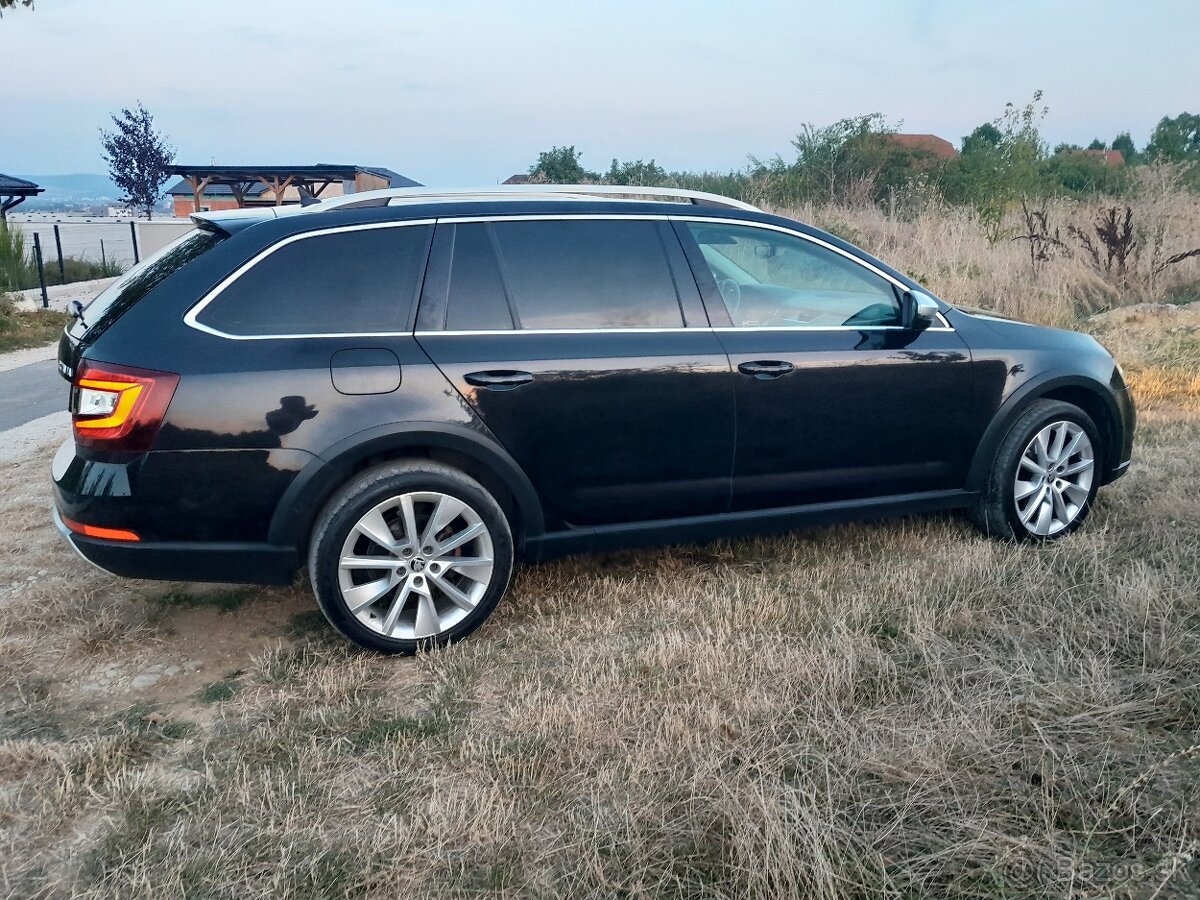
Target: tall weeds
[16,267]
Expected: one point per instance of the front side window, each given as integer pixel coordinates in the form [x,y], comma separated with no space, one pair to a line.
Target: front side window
[769,279]
[359,281]
[587,273]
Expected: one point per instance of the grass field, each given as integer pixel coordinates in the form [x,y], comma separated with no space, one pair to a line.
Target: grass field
[902,709]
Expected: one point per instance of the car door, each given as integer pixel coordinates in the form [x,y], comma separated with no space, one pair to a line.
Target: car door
[835,398]
[582,344]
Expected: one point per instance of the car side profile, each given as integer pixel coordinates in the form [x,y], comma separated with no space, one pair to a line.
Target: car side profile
[408,392]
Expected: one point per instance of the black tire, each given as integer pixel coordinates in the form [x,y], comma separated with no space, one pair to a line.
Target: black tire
[995,512]
[359,496]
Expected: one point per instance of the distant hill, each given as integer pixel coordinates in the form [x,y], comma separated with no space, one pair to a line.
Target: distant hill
[69,191]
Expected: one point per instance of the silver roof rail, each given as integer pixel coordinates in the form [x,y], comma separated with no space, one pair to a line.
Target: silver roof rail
[398,196]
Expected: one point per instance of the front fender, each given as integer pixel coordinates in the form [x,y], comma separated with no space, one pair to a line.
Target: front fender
[1016,403]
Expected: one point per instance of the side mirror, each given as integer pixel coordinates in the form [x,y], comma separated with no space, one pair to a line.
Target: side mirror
[919,309]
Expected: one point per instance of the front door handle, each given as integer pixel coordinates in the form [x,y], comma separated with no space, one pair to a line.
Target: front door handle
[764,369]
[504,380]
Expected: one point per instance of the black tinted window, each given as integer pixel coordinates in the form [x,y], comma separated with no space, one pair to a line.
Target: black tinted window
[769,279]
[143,278]
[352,281]
[476,301]
[588,274]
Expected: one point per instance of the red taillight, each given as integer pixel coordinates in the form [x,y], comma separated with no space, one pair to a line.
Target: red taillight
[109,534]
[119,407]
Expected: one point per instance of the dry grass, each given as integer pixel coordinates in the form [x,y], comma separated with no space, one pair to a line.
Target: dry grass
[900,710]
[27,328]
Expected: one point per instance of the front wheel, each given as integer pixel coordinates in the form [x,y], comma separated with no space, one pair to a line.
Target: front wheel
[410,555]
[1044,477]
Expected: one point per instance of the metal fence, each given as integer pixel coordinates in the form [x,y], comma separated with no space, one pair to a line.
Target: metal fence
[95,240]
[110,245]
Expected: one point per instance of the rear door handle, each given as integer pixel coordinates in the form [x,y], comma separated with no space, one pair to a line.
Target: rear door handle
[504,380]
[764,369]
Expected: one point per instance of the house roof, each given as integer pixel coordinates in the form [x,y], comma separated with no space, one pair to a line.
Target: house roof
[182,189]
[11,186]
[1110,157]
[520,179]
[928,143]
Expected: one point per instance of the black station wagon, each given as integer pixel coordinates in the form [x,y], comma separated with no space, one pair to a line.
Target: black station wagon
[405,392]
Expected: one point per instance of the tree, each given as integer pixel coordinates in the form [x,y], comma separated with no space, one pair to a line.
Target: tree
[1097,144]
[1124,143]
[984,138]
[1176,140]
[137,158]
[1000,163]
[561,165]
[9,4]
[842,162]
[635,173]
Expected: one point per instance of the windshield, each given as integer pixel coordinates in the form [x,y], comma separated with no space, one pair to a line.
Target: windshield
[131,287]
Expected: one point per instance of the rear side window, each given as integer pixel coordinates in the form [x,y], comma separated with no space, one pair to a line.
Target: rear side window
[587,274]
[358,281]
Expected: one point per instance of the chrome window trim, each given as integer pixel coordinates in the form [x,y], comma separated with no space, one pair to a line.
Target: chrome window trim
[731,329]
[191,320]
[190,317]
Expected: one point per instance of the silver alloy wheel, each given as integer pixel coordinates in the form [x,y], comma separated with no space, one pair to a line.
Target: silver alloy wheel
[416,565]
[1054,478]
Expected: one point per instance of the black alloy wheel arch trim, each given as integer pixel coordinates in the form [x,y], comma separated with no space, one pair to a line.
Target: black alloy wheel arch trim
[295,515]
[1016,404]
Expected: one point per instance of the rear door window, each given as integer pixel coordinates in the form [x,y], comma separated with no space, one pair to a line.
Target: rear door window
[359,281]
[587,274]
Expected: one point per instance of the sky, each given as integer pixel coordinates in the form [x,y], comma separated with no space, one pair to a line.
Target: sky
[467,93]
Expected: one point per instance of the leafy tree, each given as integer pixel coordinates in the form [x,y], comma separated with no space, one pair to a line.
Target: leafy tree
[1097,144]
[841,162]
[137,158]
[1000,163]
[636,173]
[561,165]
[983,139]
[9,4]
[1124,143]
[1066,148]
[1081,175]
[1176,140]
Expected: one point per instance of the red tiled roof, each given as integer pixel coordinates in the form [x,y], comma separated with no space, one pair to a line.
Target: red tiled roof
[1110,157]
[929,143]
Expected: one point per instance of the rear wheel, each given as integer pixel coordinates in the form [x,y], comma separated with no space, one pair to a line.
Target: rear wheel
[1045,475]
[410,555]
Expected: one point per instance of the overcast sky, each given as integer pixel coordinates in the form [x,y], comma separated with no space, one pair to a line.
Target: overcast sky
[465,93]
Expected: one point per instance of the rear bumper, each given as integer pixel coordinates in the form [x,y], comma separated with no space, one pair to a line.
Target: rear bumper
[185,561]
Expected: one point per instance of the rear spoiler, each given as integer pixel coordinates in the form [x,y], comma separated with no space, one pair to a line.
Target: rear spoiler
[231,221]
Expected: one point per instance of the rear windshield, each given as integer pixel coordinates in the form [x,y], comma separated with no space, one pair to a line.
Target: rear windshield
[113,301]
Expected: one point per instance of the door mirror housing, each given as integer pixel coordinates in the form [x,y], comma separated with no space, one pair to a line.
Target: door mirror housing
[919,310]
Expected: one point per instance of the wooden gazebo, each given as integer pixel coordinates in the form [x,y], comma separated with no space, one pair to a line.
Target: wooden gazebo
[250,182]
